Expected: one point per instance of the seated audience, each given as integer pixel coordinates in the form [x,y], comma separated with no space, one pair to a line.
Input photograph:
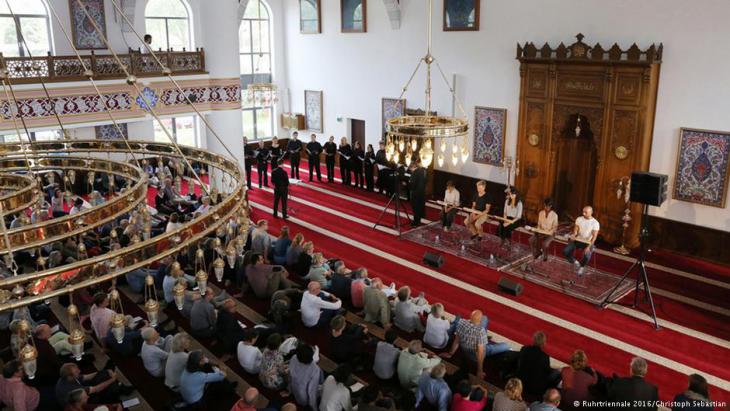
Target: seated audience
[433,388]
[318,307]
[155,351]
[198,373]
[305,258]
[249,401]
[437,328]
[533,367]
[249,355]
[203,316]
[260,239]
[335,391]
[360,282]
[266,279]
[274,369]
[696,398]
[550,401]
[14,392]
[471,337]
[78,400]
[281,246]
[321,273]
[48,362]
[295,248]
[101,316]
[511,398]
[407,312]
[386,356]
[227,328]
[177,360]
[634,388]
[371,400]
[576,380]
[131,343]
[412,362]
[101,386]
[347,342]
[305,376]
[377,307]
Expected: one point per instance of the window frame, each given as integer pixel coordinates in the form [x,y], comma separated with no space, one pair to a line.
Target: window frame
[253,55]
[166,19]
[19,33]
[173,129]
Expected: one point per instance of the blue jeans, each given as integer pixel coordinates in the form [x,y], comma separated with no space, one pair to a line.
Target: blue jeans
[569,250]
[489,350]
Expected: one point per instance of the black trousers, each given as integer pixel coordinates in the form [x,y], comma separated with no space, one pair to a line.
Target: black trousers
[369,180]
[263,174]
[448,218]
[314,166]
[294,160]
[357,172]
[330,161]
[345,172]
[505,232]
[247,165]
[280,194]
[418,203]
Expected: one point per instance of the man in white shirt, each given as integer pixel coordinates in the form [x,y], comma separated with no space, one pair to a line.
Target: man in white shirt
[584,237]
[547,221]
[318,307]
[249,355]
[452,201]
[335,393]
[155,351]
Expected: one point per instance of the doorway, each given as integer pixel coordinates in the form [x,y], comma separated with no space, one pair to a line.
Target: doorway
[357,132]
[576,171]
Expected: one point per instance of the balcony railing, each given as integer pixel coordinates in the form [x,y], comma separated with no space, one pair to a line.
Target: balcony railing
[25,70]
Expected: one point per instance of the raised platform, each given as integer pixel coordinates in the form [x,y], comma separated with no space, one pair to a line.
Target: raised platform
[555,273]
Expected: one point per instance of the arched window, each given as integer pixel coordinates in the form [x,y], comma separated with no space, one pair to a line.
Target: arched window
[29,17]
[168,22]
[256,59]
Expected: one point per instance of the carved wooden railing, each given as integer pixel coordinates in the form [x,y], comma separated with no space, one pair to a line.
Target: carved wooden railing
[24,70]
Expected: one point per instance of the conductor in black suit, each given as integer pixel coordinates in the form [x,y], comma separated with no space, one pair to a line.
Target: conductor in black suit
[418,191]
[640,395]
[281,188]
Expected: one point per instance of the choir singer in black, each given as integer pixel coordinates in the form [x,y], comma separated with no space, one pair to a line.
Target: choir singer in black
[330,149]
[281,189]
[418,191]
[345,155]
[369,165]
[294,149]
[248,158]
[314,149]
[262,156]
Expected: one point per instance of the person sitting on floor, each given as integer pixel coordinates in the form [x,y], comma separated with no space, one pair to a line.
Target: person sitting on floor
[177,360]
[408,312]
[576,380]
[433,388]
[304,263]
[412,362]
[274,370]
[360,282]
[260,239]
[281,246]
[335,391]
[320,272]
[305,376]
[510,399]
[14,392]
[437,328]
[265,279]
[696,398]
[550,401]
[155,351]
[101,386]
[249,355]
[295,248]
[634,388]
[203,316]
[533,367]
[377,307]
[471,337]
[386,356]
[227,329]
[318,307]
[248,402]
[347,342]
[198,373]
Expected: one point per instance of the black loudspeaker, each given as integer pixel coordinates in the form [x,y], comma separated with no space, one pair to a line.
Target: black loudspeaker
[648,188]
[433,260]
[509,286]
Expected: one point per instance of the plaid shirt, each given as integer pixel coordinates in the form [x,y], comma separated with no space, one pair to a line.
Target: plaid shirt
[470,335]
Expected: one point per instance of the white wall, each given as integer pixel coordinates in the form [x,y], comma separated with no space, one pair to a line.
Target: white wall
[356,70]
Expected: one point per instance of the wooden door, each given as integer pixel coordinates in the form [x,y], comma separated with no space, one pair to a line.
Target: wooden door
[357,132]
[576,173]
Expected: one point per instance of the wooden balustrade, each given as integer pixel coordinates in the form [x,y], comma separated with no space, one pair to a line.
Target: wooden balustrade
[28,70]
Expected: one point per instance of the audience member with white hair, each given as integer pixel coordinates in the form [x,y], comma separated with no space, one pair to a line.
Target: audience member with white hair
[433,388]
[318,307]
[412,362]
[176,360]
[155,351]
[634,389]
[407,312]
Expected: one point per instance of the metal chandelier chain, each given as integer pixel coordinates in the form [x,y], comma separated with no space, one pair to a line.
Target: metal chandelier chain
[10,97]
[90,75]
[167,72]
[40,78]
[131,79]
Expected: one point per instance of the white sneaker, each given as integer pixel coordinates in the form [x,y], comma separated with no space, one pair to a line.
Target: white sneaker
[580,271]
[576,264]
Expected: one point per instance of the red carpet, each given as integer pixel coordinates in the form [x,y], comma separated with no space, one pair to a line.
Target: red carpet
[512,323]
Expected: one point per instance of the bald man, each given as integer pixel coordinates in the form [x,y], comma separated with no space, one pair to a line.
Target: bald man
[471,337]
[584,237]
[550,401]
[248,402]
[318,307]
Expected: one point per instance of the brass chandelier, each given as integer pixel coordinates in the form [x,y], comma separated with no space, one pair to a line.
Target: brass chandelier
[428,135]
[261,93]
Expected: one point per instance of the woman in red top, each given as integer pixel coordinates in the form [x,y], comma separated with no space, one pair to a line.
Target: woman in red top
[468,398]
[577,378]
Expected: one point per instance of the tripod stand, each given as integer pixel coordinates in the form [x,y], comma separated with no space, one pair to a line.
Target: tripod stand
[396,204]
[642,278]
